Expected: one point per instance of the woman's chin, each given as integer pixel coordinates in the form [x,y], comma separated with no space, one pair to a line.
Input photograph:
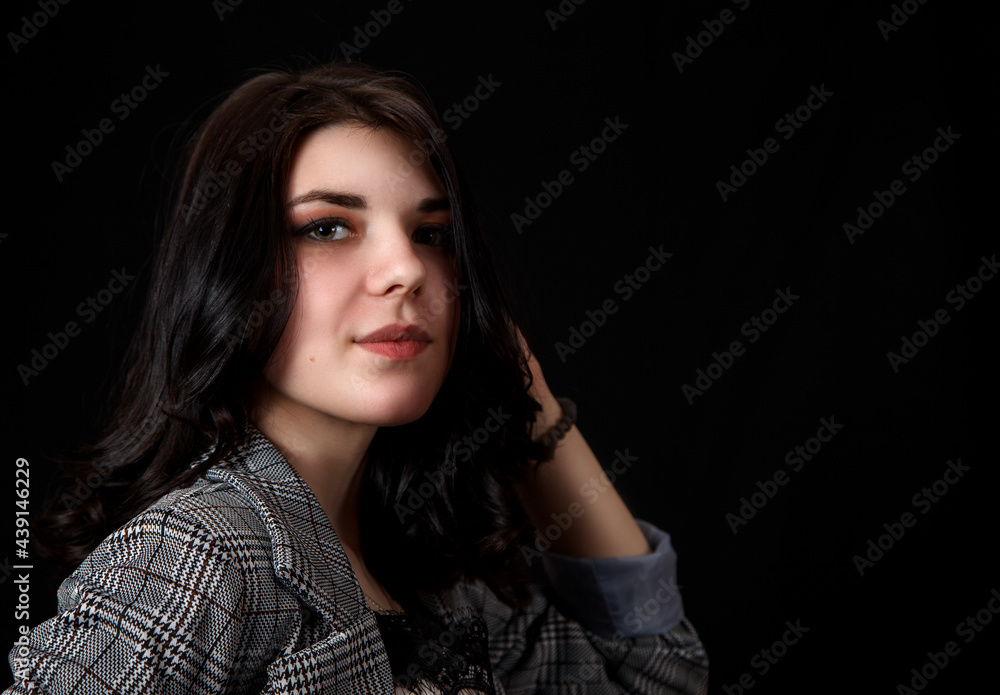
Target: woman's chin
[395,412]
[397,419]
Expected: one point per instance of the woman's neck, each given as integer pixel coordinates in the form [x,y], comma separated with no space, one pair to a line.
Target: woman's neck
[329,453]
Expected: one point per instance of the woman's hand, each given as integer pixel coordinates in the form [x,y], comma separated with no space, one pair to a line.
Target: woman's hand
[551,411]
[573,484]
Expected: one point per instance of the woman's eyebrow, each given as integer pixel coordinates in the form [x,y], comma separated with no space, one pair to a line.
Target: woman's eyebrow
[353,201]
[434,205]
[344,200]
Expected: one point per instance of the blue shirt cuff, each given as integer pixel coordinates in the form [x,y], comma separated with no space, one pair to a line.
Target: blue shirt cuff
[620,597]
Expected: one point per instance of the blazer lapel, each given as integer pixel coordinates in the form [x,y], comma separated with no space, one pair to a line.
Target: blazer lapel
[308,557]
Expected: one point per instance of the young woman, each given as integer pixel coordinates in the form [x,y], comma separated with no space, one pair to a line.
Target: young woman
[332,443]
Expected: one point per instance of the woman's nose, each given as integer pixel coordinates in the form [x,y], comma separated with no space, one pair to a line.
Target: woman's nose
[394,262]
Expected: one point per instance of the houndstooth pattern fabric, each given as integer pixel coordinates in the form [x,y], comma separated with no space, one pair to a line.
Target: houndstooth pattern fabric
[239,584]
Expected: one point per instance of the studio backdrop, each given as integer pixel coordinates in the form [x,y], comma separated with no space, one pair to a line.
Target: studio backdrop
[734,232]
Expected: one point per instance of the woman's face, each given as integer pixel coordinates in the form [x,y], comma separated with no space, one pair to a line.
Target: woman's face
[373,330]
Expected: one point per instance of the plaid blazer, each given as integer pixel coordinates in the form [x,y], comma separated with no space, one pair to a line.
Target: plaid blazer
[239,584]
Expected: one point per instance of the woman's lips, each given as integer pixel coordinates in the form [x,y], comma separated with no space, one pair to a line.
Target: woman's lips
[396,341]
[396,349]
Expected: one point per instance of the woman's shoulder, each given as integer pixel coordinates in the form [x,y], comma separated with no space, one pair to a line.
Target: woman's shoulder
[209,518]
[181,598]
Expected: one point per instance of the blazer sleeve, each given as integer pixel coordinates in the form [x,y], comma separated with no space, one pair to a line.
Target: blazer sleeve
[158,607]
[595,632]
[622,596]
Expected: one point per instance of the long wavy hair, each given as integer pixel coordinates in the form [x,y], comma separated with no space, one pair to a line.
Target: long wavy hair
[438,499]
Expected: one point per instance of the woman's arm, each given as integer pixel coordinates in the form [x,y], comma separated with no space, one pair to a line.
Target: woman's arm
[573,488]
[615,621]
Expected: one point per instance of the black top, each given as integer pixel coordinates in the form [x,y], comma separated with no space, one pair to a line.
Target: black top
[424,651]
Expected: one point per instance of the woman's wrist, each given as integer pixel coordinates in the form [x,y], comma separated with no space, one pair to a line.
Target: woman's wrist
[557,430]
[547,417]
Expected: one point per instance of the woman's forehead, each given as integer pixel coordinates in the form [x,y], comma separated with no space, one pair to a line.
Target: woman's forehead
[380,165]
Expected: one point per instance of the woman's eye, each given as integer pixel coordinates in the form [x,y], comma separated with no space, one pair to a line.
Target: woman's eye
[326,230]
[433,235]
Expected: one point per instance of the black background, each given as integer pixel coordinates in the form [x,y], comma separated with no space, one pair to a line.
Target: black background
[826,357]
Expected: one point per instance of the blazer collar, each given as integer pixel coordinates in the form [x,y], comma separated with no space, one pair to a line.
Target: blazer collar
[307,554]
